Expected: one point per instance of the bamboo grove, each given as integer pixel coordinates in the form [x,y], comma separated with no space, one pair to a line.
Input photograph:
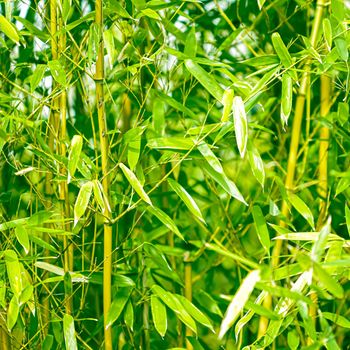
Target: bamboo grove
[174,174]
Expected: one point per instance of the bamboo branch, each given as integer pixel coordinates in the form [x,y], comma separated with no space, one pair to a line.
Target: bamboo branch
[293,151]
[107,253]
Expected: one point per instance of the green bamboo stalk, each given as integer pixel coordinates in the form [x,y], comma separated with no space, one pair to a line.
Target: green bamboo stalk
[293,151]
[107,253]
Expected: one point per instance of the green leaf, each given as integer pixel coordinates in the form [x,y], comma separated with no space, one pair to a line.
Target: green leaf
[135,183]
[342,48]
[338,9]
[14,274]
[159,315]
[343,112]
[256,164]
[100,196]
[195,313]
[210,157]
[47,343]
[302,208]
[82,201]
[129,315]
[22,237]
[207,80]
[228,185]
[74,155]
[327,32]
[174,304]
[227,100]
[293,339]
[69,332]
[8,29]
[37,76]
[241,124]
[191,43]
[283,54]
[328,281]
[187,199]
[117,306]
[158,116]
[261,227]
[166,220]
[206,301]
[57,72]
[237,304]
[12,313]
[287,98]
[337,319]
[347,218]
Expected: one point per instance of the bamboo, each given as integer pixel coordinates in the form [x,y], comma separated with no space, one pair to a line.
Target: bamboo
[188,292]
[293,151]
[63,186]
[107,253]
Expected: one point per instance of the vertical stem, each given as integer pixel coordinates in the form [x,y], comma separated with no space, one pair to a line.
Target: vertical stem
[107,253]
[63,186]
[188,291]
[293,151]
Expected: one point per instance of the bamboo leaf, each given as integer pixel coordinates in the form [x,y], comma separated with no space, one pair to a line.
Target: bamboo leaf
[8,29]
[287,98]
[191,43]
[159,315]
[187,199]
[210,157]
[166,220]
[13,269]
[101,196]
[339,320]
[22,237]
[135,183]
[12,313]
[195,313]
[129,315]
[327,32]
[82,201]
[74,155]
[117,306]
[37,76]
[238,301]
[228,185]
[57,72]
[241,124]
[227,100]
[256,164]
[261,3]
[69,332]
[261,227]
[302,208]
[207,80]
[328,281]
[347,218]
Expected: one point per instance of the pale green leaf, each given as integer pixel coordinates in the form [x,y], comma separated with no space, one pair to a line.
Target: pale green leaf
[74,155]
[12,313]
[287,98]
[8,29]
[117,306]
[135,183]
[159,315]
[22,237]
[13,269]
[256,164]
[337,319]
[57,71]
[82,201]
[302,208]
[261,227]
[69,332]
[237,304]
[241,124]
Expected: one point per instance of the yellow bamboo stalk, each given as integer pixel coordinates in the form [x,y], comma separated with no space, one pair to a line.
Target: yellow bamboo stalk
[107,253]
[188,292]
[293,151]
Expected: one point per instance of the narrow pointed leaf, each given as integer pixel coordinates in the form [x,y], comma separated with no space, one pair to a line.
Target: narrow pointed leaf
[207,80]
[261,227]
[237,304]
[82,201]
[8,29]
[22,237]
[166,220]
[57,71]
[337,319]
[135,183]
[69,332]
[12,313]
[256,164]
[227,101]
[287,98]
[210,157]
[302,208]
[159,315]
[117,306]
[74,155]
[13,269]
[241,124]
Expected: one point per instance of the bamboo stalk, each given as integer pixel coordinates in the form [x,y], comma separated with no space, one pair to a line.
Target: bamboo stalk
[188,292]
[63,186]
[107,253]
[293,151]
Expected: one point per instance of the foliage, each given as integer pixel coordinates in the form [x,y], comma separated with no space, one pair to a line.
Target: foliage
[223,184]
